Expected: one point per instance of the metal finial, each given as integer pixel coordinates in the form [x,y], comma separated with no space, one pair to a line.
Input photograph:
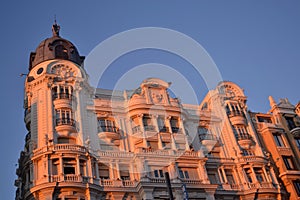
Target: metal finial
[55,27]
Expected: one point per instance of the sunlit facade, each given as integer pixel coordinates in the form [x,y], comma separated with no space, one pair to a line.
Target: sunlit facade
[88,144]
[279,131]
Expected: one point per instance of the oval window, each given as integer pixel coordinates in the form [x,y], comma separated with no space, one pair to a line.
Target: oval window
[40,70]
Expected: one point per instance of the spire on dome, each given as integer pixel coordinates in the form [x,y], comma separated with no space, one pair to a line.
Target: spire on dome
[55,28]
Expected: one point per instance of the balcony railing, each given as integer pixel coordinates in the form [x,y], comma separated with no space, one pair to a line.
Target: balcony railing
[235,113]
[149,128]
[243,136]
[108,129]
[61,147]
[65,121]
[136,129]
[62,96]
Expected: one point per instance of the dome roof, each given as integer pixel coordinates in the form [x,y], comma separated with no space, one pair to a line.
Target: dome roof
[55,48]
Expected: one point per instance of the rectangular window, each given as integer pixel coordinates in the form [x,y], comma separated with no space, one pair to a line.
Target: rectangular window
[103,171]
[158,173]
[259,174]
[290,122]
[278,140]
[248,174]
[174,124]
[298,142]
[289,163]
[247,152]
[183,173]
[213,178]
[229,176]
[264,119]
[297,187]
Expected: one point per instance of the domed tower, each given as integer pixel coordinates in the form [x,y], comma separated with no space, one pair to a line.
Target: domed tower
[56,163]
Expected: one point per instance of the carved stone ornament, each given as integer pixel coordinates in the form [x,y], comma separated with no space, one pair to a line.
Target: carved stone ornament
[156,97]
[63,71]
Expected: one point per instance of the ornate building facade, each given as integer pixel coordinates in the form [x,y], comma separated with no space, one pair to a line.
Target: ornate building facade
[86,144]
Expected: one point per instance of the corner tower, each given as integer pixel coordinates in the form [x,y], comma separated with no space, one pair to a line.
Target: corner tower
[56,163]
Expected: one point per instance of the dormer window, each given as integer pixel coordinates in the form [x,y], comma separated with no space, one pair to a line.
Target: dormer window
[61,52]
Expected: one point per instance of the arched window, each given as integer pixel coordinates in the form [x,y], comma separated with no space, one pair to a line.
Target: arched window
[61,52]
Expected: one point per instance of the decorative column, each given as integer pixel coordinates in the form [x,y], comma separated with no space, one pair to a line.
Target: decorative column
[97,170]
[203,172]
[77,165]
[89,169]
[159,142]
[118,170]
[111,171]
[173,170]
[224,174]
[141,123]
[173,143]
[131,171]
[266,174]
[181,126]
[220,175]
[154,122]
[253,175]
[237,177]
[167,123]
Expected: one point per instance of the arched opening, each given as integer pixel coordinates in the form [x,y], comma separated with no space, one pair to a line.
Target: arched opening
[61,52]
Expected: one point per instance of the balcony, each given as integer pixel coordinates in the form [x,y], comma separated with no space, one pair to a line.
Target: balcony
[244,140]
[62,100]
[208,141]
[236,117]
[61,148]
[110,132]
[117,183]
[66,178]
[65,125]
[136,129]
[62,96]
[253,159]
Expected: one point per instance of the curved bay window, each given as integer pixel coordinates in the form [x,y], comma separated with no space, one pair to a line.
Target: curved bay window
[233,109]
[107,125]
[64,117]
[241,133]
[62,92]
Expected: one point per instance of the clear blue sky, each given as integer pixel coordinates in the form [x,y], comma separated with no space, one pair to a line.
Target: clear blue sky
[255,44]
